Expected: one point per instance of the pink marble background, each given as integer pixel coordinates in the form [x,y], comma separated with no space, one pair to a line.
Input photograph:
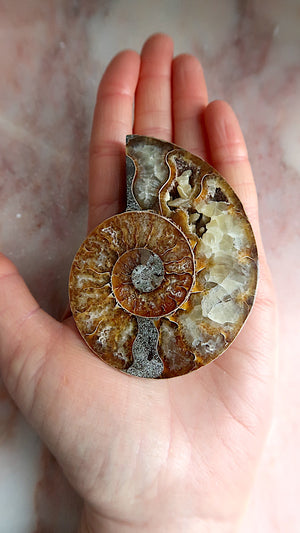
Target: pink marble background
[52,56]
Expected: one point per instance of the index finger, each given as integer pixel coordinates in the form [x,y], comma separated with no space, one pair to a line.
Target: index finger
[113,119]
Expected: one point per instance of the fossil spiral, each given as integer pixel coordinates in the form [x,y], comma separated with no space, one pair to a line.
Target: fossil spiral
[164,288]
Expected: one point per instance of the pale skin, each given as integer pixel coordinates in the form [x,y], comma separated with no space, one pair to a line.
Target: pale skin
[173,455]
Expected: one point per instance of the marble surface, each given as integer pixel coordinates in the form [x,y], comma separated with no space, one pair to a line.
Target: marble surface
[52,56]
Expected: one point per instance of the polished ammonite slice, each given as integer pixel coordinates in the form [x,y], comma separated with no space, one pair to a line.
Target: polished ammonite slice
[164,288]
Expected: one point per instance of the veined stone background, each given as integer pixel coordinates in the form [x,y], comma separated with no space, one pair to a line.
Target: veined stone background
[52,56]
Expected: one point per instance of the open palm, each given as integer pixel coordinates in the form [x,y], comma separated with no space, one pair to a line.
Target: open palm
[152,455]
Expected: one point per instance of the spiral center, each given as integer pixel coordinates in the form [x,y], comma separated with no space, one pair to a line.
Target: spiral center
[149,274]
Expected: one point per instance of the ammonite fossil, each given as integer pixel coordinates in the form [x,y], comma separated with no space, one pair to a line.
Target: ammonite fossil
[164,288]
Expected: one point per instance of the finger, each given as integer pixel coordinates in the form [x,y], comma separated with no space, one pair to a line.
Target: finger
[189,95]
[25,331]
[46,369]
[42,361]
[113,119]
[153,115]
[228,153]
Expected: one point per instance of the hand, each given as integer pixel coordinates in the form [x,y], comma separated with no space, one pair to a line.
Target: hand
[168,455]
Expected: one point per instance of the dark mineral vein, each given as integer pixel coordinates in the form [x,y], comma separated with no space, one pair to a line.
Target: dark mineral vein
[146,360]
[131,203]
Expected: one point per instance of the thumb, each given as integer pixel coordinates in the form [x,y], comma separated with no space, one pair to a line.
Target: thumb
[25,335]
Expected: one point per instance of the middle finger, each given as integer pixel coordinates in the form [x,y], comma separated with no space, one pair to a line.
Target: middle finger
[189,102]
[153,108]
